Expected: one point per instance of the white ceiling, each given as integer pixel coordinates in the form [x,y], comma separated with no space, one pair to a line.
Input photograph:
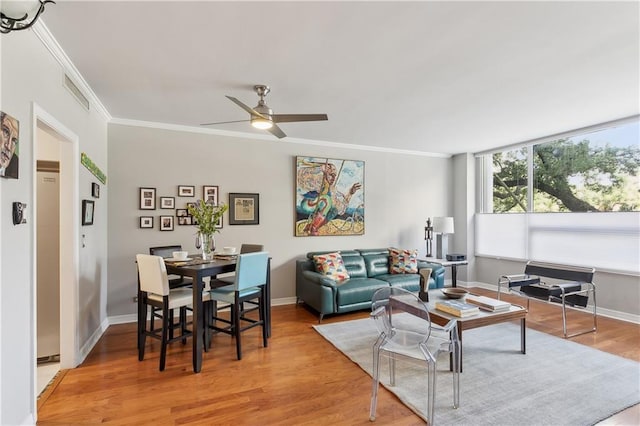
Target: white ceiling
[437,77]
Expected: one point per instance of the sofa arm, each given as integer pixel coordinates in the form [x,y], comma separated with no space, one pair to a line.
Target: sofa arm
[314,289]
[437,272]
[317,278]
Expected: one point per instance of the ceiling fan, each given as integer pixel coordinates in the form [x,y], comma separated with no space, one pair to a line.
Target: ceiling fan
[262,117]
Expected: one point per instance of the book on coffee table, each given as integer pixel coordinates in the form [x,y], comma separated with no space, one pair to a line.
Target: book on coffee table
[487,303]
[457,308]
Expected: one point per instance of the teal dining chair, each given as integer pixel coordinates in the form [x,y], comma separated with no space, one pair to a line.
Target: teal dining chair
[229,278]
[249,284]
[244,249]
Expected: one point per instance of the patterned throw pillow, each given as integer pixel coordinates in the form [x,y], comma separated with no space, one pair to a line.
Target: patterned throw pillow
[331,265]
[403,261]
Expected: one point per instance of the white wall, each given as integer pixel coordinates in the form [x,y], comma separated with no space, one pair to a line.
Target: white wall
[30,74]
[401,191]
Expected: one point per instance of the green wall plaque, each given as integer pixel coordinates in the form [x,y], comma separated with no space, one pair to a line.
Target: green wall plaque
[91,166]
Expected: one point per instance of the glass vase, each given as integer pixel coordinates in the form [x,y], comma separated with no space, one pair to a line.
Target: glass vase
[208,243]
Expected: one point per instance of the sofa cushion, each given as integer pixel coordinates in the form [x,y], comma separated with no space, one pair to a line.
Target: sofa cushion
[331,265]
[403,261]
[376,263]
[355,266]
[409,282]
[351,259]
[358,290]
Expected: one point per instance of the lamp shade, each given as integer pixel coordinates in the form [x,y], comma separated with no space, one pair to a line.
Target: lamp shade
[443,225]
[18,9]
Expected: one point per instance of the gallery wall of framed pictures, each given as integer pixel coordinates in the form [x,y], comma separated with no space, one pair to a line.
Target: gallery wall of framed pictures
[185,195]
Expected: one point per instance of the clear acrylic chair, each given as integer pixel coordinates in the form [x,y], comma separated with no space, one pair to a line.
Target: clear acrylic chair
[407,334]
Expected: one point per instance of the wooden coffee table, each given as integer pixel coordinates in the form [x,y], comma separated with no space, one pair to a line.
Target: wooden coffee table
[515,312]
[481,319]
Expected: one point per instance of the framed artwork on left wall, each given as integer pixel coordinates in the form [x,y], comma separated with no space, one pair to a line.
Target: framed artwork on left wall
[10,146]
[87,212]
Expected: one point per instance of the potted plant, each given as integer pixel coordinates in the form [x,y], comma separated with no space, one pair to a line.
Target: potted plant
[206,216]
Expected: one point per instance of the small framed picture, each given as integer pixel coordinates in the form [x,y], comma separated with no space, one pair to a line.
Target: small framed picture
[219,223]
[191,205]
[146,221]
[210,194]
[167,203]
[95,190]
[87,212]
[184,220]
[182,212]
[244,209]
[166,223]
[147,198]
[186,191]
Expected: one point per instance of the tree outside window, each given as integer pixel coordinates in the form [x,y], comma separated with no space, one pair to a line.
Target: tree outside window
[592,172]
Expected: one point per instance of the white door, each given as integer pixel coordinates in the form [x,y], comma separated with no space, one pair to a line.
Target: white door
[48,249]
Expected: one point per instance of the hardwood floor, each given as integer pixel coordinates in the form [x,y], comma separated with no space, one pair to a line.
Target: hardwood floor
[299,379]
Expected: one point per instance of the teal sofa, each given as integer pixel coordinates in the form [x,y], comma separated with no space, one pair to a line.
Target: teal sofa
[368,271]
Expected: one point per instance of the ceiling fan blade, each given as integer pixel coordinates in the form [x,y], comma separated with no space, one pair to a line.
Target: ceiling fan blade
[224,122]
[288,118]
[246,107]
[276,131]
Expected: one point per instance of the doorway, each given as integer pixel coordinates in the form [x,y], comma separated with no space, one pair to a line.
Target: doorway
[56,158]
[48,262]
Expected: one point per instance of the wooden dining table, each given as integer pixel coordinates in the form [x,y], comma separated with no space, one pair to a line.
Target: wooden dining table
[197,270]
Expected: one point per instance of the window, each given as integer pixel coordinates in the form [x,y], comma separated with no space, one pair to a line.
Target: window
[510,183]
[572,175]
[583,171]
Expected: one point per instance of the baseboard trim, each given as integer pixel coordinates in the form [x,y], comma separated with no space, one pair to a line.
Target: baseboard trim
[91,342]
[129,318]
[609,313]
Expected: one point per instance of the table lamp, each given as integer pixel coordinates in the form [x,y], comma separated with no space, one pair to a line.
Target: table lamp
[442,227]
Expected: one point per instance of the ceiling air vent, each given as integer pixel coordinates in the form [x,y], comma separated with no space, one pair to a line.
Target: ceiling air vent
[69,84]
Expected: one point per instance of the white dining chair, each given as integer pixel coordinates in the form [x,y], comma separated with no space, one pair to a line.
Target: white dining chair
[156,292]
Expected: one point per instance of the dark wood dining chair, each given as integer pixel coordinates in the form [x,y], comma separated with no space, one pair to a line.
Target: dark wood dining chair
[165,252]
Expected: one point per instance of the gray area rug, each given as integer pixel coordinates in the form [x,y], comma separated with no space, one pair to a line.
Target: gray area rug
[557,382]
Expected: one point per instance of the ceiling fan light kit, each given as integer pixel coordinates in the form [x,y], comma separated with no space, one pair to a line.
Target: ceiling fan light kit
[263,118]
[261,123]
[15,15]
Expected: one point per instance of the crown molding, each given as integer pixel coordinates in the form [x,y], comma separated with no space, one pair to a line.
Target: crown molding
[43,33]
[266,137]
